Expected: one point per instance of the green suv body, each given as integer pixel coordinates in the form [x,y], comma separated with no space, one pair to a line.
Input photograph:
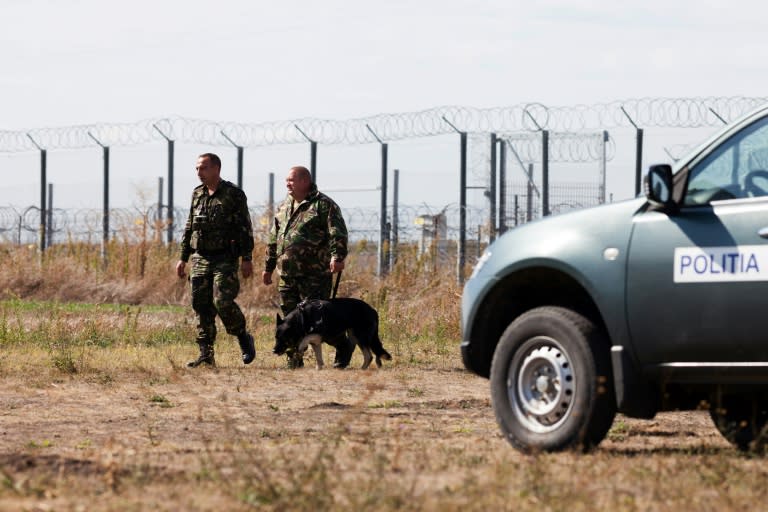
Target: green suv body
[646,305]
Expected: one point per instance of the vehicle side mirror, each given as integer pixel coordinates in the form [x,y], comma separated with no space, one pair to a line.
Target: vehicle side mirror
[659,186]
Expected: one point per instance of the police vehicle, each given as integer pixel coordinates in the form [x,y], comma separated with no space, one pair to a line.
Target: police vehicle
[653,304]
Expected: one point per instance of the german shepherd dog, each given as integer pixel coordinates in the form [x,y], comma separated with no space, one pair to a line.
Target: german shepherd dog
[314,321]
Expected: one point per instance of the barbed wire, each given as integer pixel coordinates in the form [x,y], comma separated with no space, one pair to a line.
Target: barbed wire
[643,112]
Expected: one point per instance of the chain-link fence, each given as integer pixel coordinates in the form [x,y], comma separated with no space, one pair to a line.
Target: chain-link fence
[419,226]
[518,163]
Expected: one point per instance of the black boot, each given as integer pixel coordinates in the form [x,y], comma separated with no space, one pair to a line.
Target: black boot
[246,347]
[205,357]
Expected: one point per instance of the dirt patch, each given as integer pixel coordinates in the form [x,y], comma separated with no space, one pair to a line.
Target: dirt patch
[235,438]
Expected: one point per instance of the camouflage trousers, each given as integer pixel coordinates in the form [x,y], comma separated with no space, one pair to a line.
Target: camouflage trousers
[215,286]
[295,288]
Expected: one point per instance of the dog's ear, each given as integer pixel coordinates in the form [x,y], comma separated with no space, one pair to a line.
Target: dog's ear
[279,320]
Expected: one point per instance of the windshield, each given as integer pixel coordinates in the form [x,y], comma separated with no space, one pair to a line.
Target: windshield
[737,168]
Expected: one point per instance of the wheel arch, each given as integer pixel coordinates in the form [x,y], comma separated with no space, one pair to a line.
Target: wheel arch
[513,295]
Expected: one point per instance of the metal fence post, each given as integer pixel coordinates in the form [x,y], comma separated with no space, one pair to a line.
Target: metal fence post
[461,257]
[105,214]
[239,159]
[169,213]
[545,172]
[395,219]
[49,220]
[159,215]
[170,192]
[502,186]
[43,186]
[462,210]
[638,153]
[312,154]
[383,255]
[544,165]
[603,166]
[529,196]
[492,191]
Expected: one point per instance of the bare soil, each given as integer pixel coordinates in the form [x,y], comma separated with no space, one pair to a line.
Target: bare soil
[98,412]
[237,437]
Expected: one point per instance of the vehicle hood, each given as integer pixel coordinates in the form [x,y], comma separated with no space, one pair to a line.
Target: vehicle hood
[574,241]
[590,246]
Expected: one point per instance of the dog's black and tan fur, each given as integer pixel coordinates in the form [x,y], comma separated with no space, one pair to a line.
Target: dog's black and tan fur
[314,321]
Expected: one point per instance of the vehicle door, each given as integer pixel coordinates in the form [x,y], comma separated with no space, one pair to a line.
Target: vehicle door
[697,279]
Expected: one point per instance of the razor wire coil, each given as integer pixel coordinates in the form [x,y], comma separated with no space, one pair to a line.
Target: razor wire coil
[531,117]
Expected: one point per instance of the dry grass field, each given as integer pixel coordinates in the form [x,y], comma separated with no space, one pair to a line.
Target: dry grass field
[98,411]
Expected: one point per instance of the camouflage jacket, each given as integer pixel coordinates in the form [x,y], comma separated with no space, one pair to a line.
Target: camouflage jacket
[304,237]
[218,224]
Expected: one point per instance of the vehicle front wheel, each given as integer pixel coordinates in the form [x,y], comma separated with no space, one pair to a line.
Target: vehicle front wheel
[742,419]
[551,382]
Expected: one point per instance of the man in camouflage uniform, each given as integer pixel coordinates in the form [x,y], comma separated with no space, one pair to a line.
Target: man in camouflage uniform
[217,233]
[307,244]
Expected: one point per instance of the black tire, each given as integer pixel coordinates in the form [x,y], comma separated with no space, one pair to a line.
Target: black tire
[742,420]
[551,382]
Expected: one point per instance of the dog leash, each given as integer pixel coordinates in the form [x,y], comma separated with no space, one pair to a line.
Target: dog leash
[336,286]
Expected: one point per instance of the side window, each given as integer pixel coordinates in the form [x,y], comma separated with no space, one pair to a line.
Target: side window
[737,168]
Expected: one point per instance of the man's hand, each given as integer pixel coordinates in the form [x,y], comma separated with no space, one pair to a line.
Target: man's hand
[246,267]
[266,277]
[180,269]
[336,266]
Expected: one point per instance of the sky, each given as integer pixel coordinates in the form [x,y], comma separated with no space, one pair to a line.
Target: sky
[94,61]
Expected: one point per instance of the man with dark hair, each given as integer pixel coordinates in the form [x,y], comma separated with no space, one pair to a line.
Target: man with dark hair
[307,244]
[218,233]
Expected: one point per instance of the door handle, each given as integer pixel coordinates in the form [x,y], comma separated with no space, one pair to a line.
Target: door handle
[763,232]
